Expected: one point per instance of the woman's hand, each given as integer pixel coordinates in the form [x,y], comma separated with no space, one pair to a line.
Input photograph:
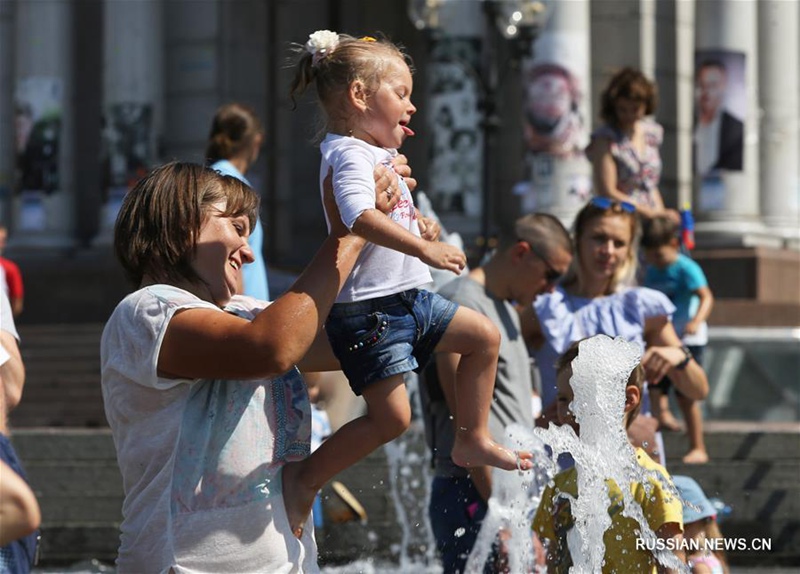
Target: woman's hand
[658,361]
[401,167]
[387,189]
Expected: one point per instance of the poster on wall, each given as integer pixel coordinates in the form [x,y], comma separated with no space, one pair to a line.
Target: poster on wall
[127,151]
[553,86]
[37,123]
[720,106]
[455,126]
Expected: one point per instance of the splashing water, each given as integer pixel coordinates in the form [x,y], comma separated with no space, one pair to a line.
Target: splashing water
[515,498]
[409,478]
[599,376]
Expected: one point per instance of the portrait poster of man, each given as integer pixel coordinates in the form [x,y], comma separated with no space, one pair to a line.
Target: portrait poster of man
[454,122]
[720,108]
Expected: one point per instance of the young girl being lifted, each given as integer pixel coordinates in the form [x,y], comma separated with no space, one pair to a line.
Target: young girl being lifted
[383,325]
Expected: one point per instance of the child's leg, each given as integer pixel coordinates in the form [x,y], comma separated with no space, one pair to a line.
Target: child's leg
[388,416]
[694,430]
[477,340]
[659,404]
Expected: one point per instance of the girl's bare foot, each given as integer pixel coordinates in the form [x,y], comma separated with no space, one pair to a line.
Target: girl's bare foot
[696,456]
[297,498]
[470,451]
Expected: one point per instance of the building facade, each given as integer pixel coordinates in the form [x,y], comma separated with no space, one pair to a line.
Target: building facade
[92,94]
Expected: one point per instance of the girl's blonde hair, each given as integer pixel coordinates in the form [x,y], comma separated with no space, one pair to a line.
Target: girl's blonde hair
[353,59]
[626,272]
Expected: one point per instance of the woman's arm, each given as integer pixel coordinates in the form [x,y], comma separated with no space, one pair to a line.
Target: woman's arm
[204,343]
[19,510]
[665,354]
[376,228]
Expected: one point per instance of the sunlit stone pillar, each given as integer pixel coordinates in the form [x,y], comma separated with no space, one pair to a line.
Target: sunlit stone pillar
[133,99]
[726,197]
[44,200]
[778,68]
[558,117]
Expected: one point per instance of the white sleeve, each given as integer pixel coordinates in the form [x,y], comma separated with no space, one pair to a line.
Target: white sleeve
[6,316]
[132,338]
[353,182]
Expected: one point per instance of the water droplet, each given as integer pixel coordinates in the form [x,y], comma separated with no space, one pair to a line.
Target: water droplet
[460,532]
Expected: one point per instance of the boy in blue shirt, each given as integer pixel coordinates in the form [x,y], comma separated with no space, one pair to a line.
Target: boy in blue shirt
[683,281]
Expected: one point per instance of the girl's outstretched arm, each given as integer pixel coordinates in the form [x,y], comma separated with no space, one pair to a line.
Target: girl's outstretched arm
[375,227]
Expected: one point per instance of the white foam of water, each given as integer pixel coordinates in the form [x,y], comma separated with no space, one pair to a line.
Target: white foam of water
[602,452]
[409,484]
[515,498]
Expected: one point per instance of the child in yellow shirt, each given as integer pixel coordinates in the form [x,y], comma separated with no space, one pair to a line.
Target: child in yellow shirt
[626,550]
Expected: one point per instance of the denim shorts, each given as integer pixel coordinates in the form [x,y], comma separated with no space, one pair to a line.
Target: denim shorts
[378,338]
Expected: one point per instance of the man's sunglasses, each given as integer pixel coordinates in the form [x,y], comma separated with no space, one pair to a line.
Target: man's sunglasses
[607,203]
[551,275]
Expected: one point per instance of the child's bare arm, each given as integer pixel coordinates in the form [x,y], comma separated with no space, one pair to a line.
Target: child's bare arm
[375,227]
[703,311]
[672,530]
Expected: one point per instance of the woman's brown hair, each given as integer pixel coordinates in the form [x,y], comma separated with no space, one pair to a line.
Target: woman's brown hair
[631,84]
[160,219]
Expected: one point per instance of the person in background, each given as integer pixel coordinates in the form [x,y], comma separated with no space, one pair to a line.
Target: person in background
[625,151]
[700,525]
[12,276]
[594,297]
[531,257]
[234,143]
[683,281]
[20,515]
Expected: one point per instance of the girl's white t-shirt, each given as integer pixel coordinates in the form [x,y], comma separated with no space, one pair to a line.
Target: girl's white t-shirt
[200,459]
[379,271]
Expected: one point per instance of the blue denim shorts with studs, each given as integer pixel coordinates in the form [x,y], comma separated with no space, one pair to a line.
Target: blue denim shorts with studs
[378,338]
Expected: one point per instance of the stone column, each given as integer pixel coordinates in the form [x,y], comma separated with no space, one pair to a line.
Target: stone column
[455,90]
[6,107]
[727,200]
[133,99]
[44,200]
[560,175]
[779,54]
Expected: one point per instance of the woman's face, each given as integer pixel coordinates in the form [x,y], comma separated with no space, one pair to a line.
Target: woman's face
[628,112]
[605,244]
[221,252]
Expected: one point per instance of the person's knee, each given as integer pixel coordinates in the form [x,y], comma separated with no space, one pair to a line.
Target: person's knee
[394,422]
[486,335]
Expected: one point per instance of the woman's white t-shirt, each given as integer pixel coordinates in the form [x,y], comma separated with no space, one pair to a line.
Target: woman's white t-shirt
[200,459]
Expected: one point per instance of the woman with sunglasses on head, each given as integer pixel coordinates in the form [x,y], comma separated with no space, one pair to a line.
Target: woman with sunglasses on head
[625,154]
[594,297]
